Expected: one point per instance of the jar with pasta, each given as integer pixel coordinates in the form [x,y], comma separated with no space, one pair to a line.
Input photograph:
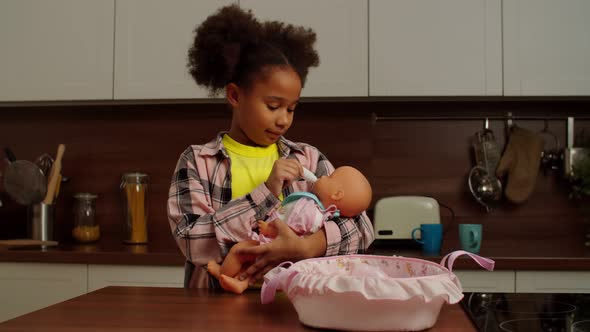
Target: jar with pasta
[86,229]
[134,187]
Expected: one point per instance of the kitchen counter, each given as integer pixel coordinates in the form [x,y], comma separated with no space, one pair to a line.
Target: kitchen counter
[525,254]
[177,309]
[542,254]
[97,253]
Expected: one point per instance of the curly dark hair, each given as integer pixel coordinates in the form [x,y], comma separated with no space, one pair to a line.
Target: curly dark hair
[232,46]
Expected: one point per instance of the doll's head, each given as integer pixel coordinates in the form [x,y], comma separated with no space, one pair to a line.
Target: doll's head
[347,188]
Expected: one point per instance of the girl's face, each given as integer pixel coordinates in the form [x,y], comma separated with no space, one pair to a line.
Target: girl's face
[264,112]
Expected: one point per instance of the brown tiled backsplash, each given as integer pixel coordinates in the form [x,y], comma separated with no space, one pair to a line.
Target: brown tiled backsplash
[417,155]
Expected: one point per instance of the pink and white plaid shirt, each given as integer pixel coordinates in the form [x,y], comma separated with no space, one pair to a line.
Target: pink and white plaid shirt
[206,222]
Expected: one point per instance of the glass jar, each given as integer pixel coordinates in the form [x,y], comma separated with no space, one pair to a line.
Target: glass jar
[134,187]
[86,229]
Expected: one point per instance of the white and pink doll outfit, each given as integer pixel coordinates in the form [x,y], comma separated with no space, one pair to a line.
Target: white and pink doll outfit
[302,212]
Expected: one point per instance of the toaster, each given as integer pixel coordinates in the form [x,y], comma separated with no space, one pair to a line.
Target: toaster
[396,216]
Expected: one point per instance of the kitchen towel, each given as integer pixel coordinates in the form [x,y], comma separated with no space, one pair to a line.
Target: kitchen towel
[521,161]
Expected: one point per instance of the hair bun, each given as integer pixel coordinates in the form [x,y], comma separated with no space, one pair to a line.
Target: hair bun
[233,46]
[218,44]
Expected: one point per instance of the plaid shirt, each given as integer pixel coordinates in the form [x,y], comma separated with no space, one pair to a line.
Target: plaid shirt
[206,222]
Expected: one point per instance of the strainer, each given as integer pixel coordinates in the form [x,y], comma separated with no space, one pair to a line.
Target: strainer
[23,180]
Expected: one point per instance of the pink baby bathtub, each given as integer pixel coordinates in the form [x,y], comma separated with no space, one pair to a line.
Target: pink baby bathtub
[368,293]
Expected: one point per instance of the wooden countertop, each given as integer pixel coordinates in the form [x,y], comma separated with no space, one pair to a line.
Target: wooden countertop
[509,254]
[97,253]
[177,309]
[539,254]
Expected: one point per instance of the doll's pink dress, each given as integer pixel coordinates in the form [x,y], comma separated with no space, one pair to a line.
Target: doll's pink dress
[305,215]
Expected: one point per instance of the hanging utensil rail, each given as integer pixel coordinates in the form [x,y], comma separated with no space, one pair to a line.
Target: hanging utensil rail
[375,117]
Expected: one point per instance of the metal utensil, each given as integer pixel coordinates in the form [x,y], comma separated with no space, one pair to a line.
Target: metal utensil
[487,150]
[482,180]
[551,158]
[573,155]
[23,180]
[54,175]
[44,161]
[486,188]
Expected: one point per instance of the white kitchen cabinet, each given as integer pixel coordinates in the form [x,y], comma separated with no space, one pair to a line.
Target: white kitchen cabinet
[341,30]
[27,287]
[553,281]
[100,276]
[151,47]
[486,281]
[56,50]
[435,48]
[546,47]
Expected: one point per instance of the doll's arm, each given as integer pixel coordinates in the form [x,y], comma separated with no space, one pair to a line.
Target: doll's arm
[267,229]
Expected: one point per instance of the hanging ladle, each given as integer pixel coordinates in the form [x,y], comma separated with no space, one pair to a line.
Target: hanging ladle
[482,181]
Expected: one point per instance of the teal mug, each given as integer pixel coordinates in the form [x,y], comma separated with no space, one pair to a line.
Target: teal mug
[431,237]
[470,237]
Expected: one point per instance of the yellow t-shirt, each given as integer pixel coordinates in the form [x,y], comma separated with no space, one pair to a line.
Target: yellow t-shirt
[250,165]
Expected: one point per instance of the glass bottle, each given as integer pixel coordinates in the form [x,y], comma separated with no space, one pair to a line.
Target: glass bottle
[86,229]
[134,187]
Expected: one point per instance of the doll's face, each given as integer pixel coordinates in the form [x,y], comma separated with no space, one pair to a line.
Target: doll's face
[324,188]
[347,188]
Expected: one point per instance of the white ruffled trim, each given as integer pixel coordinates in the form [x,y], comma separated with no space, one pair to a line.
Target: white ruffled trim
[314,278]
[376,288]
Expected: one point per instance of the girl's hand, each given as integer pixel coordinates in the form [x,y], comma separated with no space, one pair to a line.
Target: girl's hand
[287,246]
[284,171]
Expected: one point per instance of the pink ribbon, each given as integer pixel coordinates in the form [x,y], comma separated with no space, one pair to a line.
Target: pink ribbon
[274,279]
[486,263]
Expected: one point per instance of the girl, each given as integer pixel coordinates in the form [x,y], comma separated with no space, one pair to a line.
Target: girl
[221,189]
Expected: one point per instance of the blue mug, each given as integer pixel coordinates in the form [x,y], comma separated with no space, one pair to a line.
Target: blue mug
[470,237]
[431,238]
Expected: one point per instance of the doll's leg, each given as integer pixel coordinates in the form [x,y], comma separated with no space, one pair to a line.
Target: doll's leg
[214,269]
[232,265]
[233,262]
[266,229]
[233,284]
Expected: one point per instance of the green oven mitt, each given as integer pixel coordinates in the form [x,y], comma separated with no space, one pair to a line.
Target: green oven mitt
[521,161]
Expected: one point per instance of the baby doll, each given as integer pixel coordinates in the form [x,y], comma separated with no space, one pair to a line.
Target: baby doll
[346,192]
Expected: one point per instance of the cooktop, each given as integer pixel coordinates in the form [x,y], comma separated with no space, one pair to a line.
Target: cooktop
[527,312]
